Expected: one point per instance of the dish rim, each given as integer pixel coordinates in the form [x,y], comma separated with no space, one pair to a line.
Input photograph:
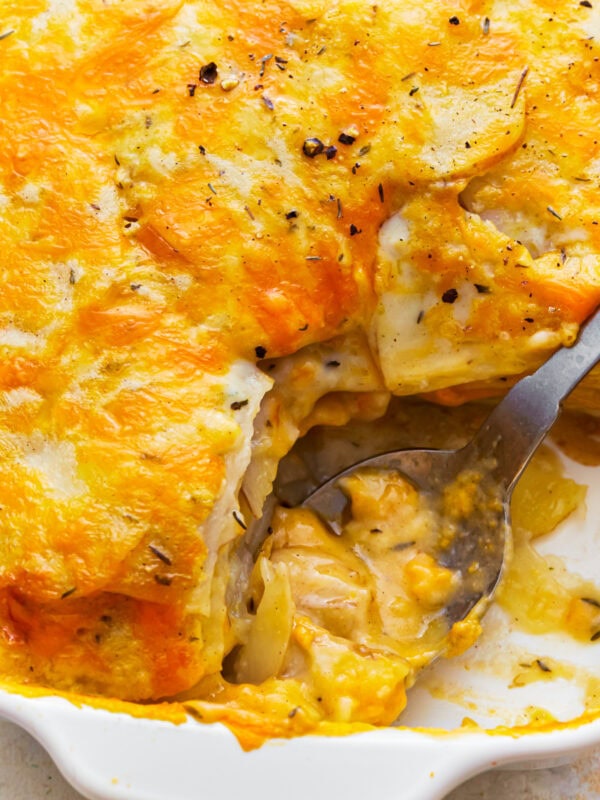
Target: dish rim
[112,755]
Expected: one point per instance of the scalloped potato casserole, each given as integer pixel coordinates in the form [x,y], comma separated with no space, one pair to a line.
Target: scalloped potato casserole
[224,223]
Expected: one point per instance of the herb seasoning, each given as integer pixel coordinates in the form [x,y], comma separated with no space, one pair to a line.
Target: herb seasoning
[209,73]
[519,86]
[449,296]
[312,147]
[346,138]
[159,554]
[553,212]
[263,63]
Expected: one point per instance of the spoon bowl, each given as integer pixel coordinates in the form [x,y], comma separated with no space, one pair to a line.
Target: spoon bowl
[476,548]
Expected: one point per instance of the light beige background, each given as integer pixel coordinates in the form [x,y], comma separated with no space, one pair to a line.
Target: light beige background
[26,773]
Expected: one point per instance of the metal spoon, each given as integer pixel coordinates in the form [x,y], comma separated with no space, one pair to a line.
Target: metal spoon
[497,455]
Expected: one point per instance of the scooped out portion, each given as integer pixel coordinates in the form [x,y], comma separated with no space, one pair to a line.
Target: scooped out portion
[340,625]
[347,620]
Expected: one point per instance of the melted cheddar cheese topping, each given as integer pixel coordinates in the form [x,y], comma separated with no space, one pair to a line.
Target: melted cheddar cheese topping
[222,224]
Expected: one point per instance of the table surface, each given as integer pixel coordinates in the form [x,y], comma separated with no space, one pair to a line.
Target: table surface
[27,773]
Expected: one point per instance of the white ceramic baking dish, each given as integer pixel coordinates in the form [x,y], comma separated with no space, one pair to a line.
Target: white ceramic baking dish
[109,756]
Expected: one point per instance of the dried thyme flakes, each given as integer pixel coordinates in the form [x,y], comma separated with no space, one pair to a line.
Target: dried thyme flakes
[159,554]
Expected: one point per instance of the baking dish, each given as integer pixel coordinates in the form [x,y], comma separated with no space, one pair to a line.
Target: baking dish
[109,756]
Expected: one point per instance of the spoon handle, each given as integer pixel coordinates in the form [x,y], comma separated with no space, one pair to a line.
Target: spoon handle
[521,420]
